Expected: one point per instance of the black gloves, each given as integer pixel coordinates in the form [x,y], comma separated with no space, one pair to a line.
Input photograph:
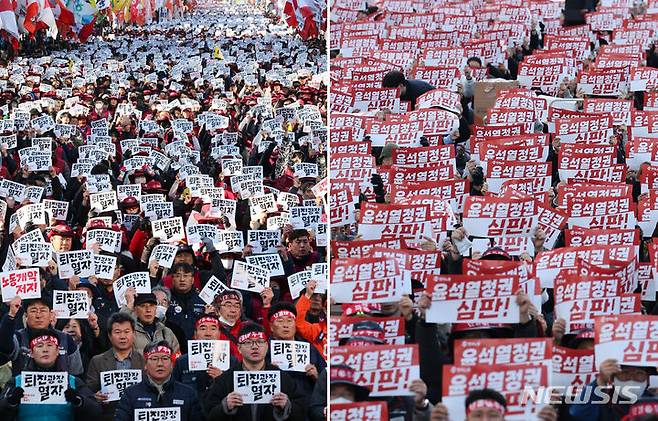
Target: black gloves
[14,397]
[72,397]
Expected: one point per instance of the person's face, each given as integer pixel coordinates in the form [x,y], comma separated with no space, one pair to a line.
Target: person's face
[61,243]
[162,298]
[72,328]
[38,316]
[632,373]
[122,336]
[230,310]
[284,328]
[133,210]
[145,313]
[158,367]
[344,391]
[300,247]
[316,304]
[387,161]
[184,258]
[485,414]
[183,281]
[207,331]
[45,354]
[253,350]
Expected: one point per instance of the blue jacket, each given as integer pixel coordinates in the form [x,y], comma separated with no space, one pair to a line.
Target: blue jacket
[184,310]
[145,395]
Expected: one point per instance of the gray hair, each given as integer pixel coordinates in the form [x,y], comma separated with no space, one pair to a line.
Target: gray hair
[165,290]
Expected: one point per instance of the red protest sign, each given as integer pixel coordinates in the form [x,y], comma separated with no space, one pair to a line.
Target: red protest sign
[469,352]
[465,299]
[631,339]
[388,371]
[341,328]
[573,367]
[495,216]
[360,248]
[363,411]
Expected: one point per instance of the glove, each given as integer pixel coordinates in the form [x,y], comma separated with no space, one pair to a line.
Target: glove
[14,397]
[207,243]
[72,397]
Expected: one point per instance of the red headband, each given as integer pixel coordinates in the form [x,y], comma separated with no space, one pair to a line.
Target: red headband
[44,339]
[283,313]
[202,320]
[158,350]
[252,335]
[485,403]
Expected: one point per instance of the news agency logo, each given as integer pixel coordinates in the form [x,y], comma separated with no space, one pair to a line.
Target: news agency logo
[581,395]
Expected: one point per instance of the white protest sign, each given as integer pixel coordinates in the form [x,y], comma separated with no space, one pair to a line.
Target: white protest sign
[44,387]
[257,387]
[104,266]
[103,202]
[75,263]
[114,382]
[213,288]
[56,209]
[271,262]
[290,355]
[249,277]
[33,253]
[109,240]
[158,414]
[24,283]
[164,254]
[138,280]
[204,353]
[71,304]
[169,230]
[264,241]
[298,281]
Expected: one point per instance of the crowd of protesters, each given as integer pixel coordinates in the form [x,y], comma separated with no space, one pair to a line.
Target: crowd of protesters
[436,101]
[218,119]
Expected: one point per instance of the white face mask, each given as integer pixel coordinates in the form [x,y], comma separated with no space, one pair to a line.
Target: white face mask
[226,322]
[160,312]
[631,387]
[341,400]
[228,263]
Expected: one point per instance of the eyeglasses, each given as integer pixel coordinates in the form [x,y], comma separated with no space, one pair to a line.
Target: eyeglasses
[258,342]
[230,305]
[164,359]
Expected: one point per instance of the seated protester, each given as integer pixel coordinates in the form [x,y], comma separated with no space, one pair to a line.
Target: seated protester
[311,322]
[222,402]
[282,318]
[317,410]
[80,402]
[230,318]
[487,404]
[629,382]
[300,253]
[121,356]
[158,389]
[163,295]
[147,328]
[185,254]
[85,334]
[206,328]
[185,306]
[104,301]
[38,312]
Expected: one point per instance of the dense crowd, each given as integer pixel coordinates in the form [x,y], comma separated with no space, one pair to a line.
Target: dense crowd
[493,210]
[163,223]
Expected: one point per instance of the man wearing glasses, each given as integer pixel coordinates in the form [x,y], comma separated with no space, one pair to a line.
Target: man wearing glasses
[222,402]
[158,389]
